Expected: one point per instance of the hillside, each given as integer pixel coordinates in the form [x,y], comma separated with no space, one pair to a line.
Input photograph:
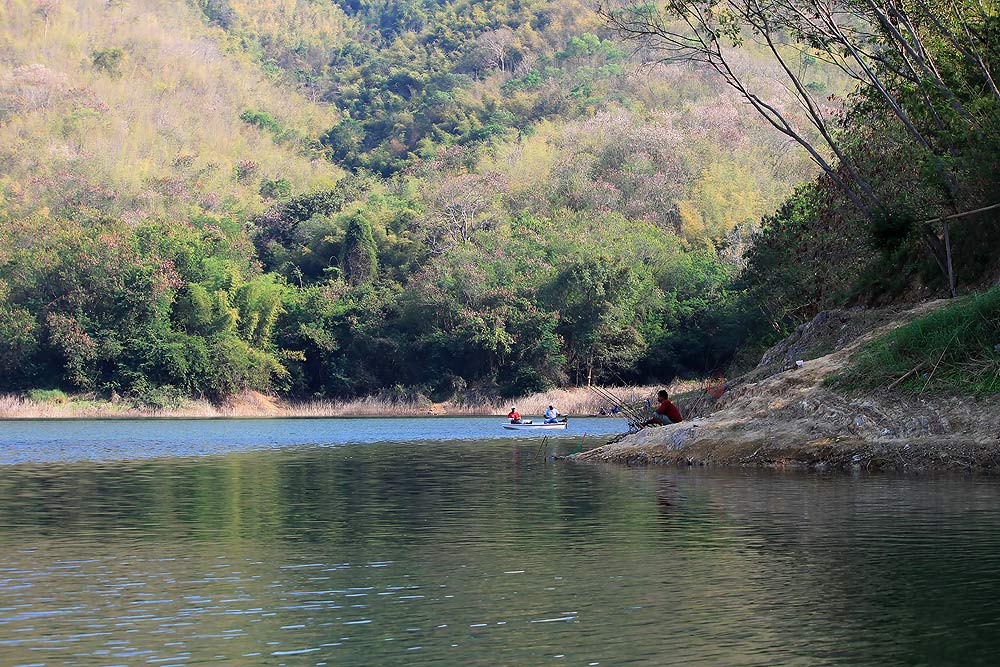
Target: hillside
[442,199]
[133,111]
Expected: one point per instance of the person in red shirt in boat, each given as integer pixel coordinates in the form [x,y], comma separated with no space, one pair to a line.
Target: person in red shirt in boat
[514,416]
[666,413]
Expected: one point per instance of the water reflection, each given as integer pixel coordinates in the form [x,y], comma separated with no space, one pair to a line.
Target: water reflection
[105,440]
[489,554]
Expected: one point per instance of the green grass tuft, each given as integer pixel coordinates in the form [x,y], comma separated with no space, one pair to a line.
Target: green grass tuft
[56,396]
[957,348]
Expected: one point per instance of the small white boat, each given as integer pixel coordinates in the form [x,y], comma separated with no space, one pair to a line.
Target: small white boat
[528,425]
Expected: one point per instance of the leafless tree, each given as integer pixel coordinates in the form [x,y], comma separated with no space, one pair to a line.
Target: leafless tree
[458,207]
[496,44]
[875,42]
[45,9]
[697,31]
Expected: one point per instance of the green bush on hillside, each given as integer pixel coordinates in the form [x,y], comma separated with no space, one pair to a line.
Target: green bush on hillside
[261,119]
[954,349]
[275,188]
[108,61]
[47,396]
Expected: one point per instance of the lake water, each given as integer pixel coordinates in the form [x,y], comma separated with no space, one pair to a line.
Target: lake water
[431,542]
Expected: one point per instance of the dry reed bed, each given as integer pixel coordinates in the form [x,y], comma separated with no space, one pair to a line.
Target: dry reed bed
[572,401]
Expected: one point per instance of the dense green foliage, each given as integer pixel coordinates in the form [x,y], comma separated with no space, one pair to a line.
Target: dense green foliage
[932,156]
[407,90]
[128,309]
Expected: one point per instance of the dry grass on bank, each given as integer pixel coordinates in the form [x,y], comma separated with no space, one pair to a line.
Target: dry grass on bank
[18,407]
[577,401]
[571,401]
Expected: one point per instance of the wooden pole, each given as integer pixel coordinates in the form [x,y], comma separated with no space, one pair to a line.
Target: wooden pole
[961,215]
[947,254]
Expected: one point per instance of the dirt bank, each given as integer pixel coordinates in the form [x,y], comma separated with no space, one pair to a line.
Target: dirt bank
[780,414]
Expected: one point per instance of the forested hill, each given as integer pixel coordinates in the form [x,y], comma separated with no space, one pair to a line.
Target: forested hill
[347,197]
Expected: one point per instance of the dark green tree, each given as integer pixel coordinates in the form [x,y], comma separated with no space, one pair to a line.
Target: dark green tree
[108,61]
[358,260]
[600,302]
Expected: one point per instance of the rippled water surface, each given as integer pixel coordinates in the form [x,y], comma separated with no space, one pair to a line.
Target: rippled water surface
[482,551]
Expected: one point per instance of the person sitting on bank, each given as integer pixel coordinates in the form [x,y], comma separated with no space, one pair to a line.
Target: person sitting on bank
[551,415]
[514,416]
[666,413]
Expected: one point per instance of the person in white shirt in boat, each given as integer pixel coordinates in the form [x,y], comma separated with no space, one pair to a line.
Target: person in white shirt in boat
[551,415]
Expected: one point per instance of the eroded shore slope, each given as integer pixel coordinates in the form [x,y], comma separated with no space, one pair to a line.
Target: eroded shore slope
[781,415]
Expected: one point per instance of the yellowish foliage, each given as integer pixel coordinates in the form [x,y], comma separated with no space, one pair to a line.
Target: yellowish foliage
[722,197]
[692,222]
[309,29]
[525,163]
[160,137]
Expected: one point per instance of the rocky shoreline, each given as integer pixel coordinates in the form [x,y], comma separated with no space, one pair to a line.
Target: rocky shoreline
[782,415]
[657,447]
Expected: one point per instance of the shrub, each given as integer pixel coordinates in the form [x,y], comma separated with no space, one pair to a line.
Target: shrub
[144,395]
[56,396]
[344,139]
[953,349]
[261,119]
[108,61]
[246,170]
[275,188]
[889,230]
[18,341]
[358,260]
[76,346]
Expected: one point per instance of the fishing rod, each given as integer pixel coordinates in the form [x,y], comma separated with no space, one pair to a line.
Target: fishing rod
[605,395]
[639,416]
[627,410]
[631,413]
[634,418]
[624,405]
[693,406]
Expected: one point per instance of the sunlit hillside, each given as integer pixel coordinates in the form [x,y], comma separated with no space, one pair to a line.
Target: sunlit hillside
[301,37]
[133,109]
[136,109]
[422,199]
[175,220]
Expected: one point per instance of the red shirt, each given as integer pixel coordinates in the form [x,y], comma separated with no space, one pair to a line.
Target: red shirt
[514,415]
[670,410]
